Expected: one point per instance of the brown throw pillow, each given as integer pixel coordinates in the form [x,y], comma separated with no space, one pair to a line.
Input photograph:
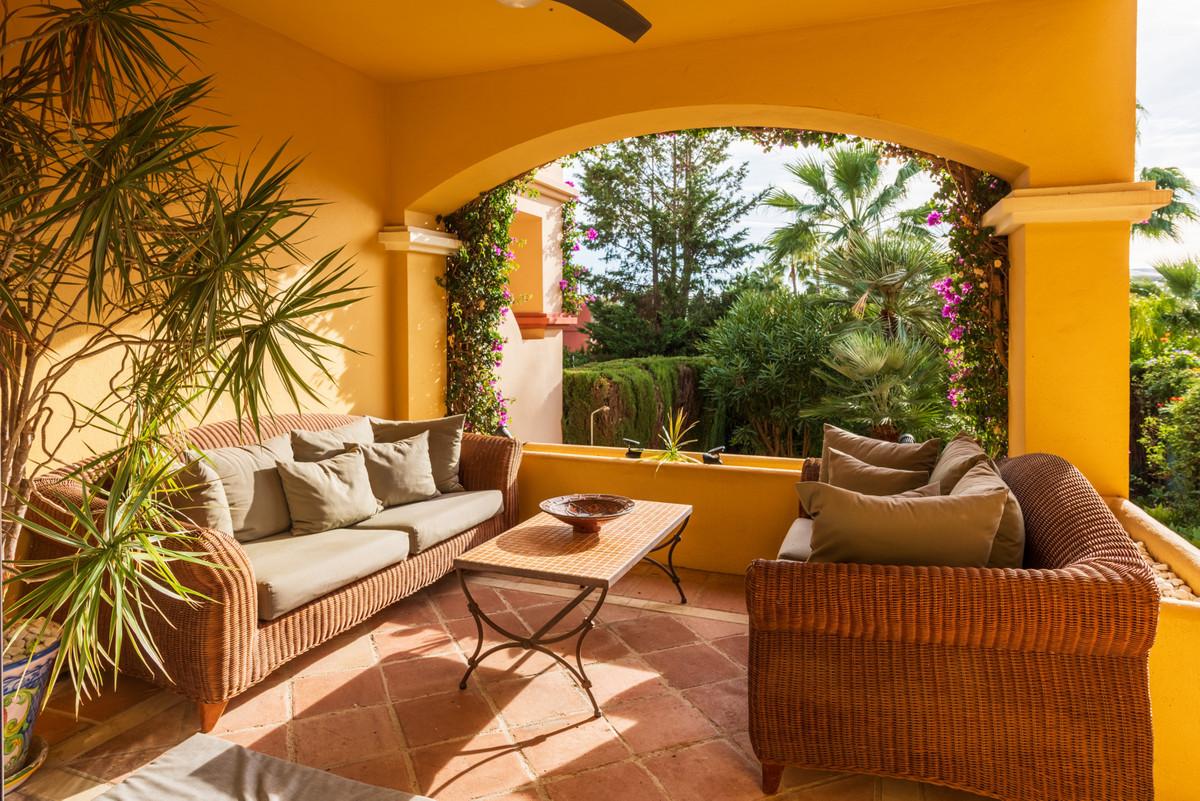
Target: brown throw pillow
[1008,550]
[960,455]
[200,496]
[854,474]
[948,530]
[445,444]
[400,472]
[878,452]
[313,446]
[329,494]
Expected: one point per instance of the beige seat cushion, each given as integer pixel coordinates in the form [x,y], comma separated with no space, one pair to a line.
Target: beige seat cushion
[257,505]
[445,444]
[881,453]
[960,455]
[313,446]
[438,519]
[400,471]
[948,530]
[797,545]
[332,493]
[291,571]
[854,474]
[1008,549]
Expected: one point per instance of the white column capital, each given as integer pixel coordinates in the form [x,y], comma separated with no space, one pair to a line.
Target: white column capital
[411,239]
[1123,202]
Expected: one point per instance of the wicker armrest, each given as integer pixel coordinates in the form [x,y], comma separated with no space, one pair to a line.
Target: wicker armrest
[1092,609]
[492,463]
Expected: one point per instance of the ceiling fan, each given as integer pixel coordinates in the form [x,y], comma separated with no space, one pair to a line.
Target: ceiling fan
[616,14]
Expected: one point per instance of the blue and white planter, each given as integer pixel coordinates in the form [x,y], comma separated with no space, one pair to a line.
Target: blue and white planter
[25,681]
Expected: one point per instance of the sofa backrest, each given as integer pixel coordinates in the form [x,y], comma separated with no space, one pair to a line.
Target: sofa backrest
[230,433]
[1066,521]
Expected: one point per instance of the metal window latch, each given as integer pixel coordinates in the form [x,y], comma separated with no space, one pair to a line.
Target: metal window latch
[633,448]
[714,456]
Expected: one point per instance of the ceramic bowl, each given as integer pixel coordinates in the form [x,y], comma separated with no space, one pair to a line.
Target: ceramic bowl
[587,512]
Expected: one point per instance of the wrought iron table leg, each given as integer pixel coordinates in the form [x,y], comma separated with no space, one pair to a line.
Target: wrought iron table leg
[669,567]
[538,640]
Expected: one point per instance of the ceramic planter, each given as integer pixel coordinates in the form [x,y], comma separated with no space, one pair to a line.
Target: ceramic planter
[24,686]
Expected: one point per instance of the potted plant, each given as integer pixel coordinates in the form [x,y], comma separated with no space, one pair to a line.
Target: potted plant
[124,235]
[674,432]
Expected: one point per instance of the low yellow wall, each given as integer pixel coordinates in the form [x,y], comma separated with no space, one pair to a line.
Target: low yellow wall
[741,510]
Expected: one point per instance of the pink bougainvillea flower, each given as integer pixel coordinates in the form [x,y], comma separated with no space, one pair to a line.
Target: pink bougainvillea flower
[934,218]
[497,346]
[575,246]
[507,295]
[563,284]
[510,255]
[497,249]
[956,333]
[592,234]
[569,183]
[591,298]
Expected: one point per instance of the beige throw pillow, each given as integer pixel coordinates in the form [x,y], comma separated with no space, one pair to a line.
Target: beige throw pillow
[328,494]
[445,444]
[257,505]
[854,474]
[948,530]
[960,455]
[878,452]
[400,472]
[200,497]
[313,446]
[1008,550]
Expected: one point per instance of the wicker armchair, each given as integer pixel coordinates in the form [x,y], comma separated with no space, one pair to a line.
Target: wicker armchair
[215,651]
[1018,684]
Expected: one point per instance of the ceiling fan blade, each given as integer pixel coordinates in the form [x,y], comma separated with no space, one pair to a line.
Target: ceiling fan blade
[616,14]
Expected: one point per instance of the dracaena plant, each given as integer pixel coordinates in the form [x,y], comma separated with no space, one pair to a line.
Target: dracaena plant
[125,239]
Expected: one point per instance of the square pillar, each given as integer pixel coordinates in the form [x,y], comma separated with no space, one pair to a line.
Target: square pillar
[1069,322]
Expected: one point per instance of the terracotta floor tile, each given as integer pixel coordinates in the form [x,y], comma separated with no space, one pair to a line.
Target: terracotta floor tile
[937,793]
[449,716]
[54,726]
[553,694]
[650,633]
[736,648]
[260,705]
[387,770]
[708,770]
[612,612]
[417,678]
[600,645]
[660,722]
[415,610]
[714,629]
[624,680]
[804,778]
[724,702]
[520,599]
[625,780]
[453,605]
[270,740]
[483,765]
[724,592]
[395,643]
[648,588]
[163,731]
[848,788]
[899,790]
[341,653]
[565,747]
[505,664]
[337,692]
[344,737]
[537,616]
[128,692]
[692,665]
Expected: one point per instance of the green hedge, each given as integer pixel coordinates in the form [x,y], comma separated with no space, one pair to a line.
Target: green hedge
[640,393]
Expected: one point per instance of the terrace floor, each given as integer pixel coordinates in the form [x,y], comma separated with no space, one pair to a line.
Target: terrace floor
[381,704]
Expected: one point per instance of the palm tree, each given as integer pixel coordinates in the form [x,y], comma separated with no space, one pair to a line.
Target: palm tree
[1181,278]
[845,195]
[1164,223]
[886,278]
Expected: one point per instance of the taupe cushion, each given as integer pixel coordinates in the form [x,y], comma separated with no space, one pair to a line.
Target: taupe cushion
[332,493]
[960,455]
[200,497]
[950,530]
[257,505]
[878,452]
[439,519]
[313,446]
[400,471]
[445,444]
[854,474]
[797,544]
[1008,549]
[291,571]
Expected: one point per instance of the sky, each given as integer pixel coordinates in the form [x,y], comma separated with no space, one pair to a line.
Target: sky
[1168,87]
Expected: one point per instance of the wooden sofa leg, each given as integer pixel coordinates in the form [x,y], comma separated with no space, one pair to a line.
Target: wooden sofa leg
[772,775]
[210,714]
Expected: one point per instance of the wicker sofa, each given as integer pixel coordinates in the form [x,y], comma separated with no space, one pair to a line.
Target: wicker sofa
[214,651]
[1016,684]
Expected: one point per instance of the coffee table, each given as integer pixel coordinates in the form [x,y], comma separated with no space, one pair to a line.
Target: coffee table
[547,549]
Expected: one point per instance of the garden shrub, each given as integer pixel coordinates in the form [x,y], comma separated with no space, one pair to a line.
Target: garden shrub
[641,394]
[1173,452]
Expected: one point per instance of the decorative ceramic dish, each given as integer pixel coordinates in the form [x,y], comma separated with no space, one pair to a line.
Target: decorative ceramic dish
[587,512]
